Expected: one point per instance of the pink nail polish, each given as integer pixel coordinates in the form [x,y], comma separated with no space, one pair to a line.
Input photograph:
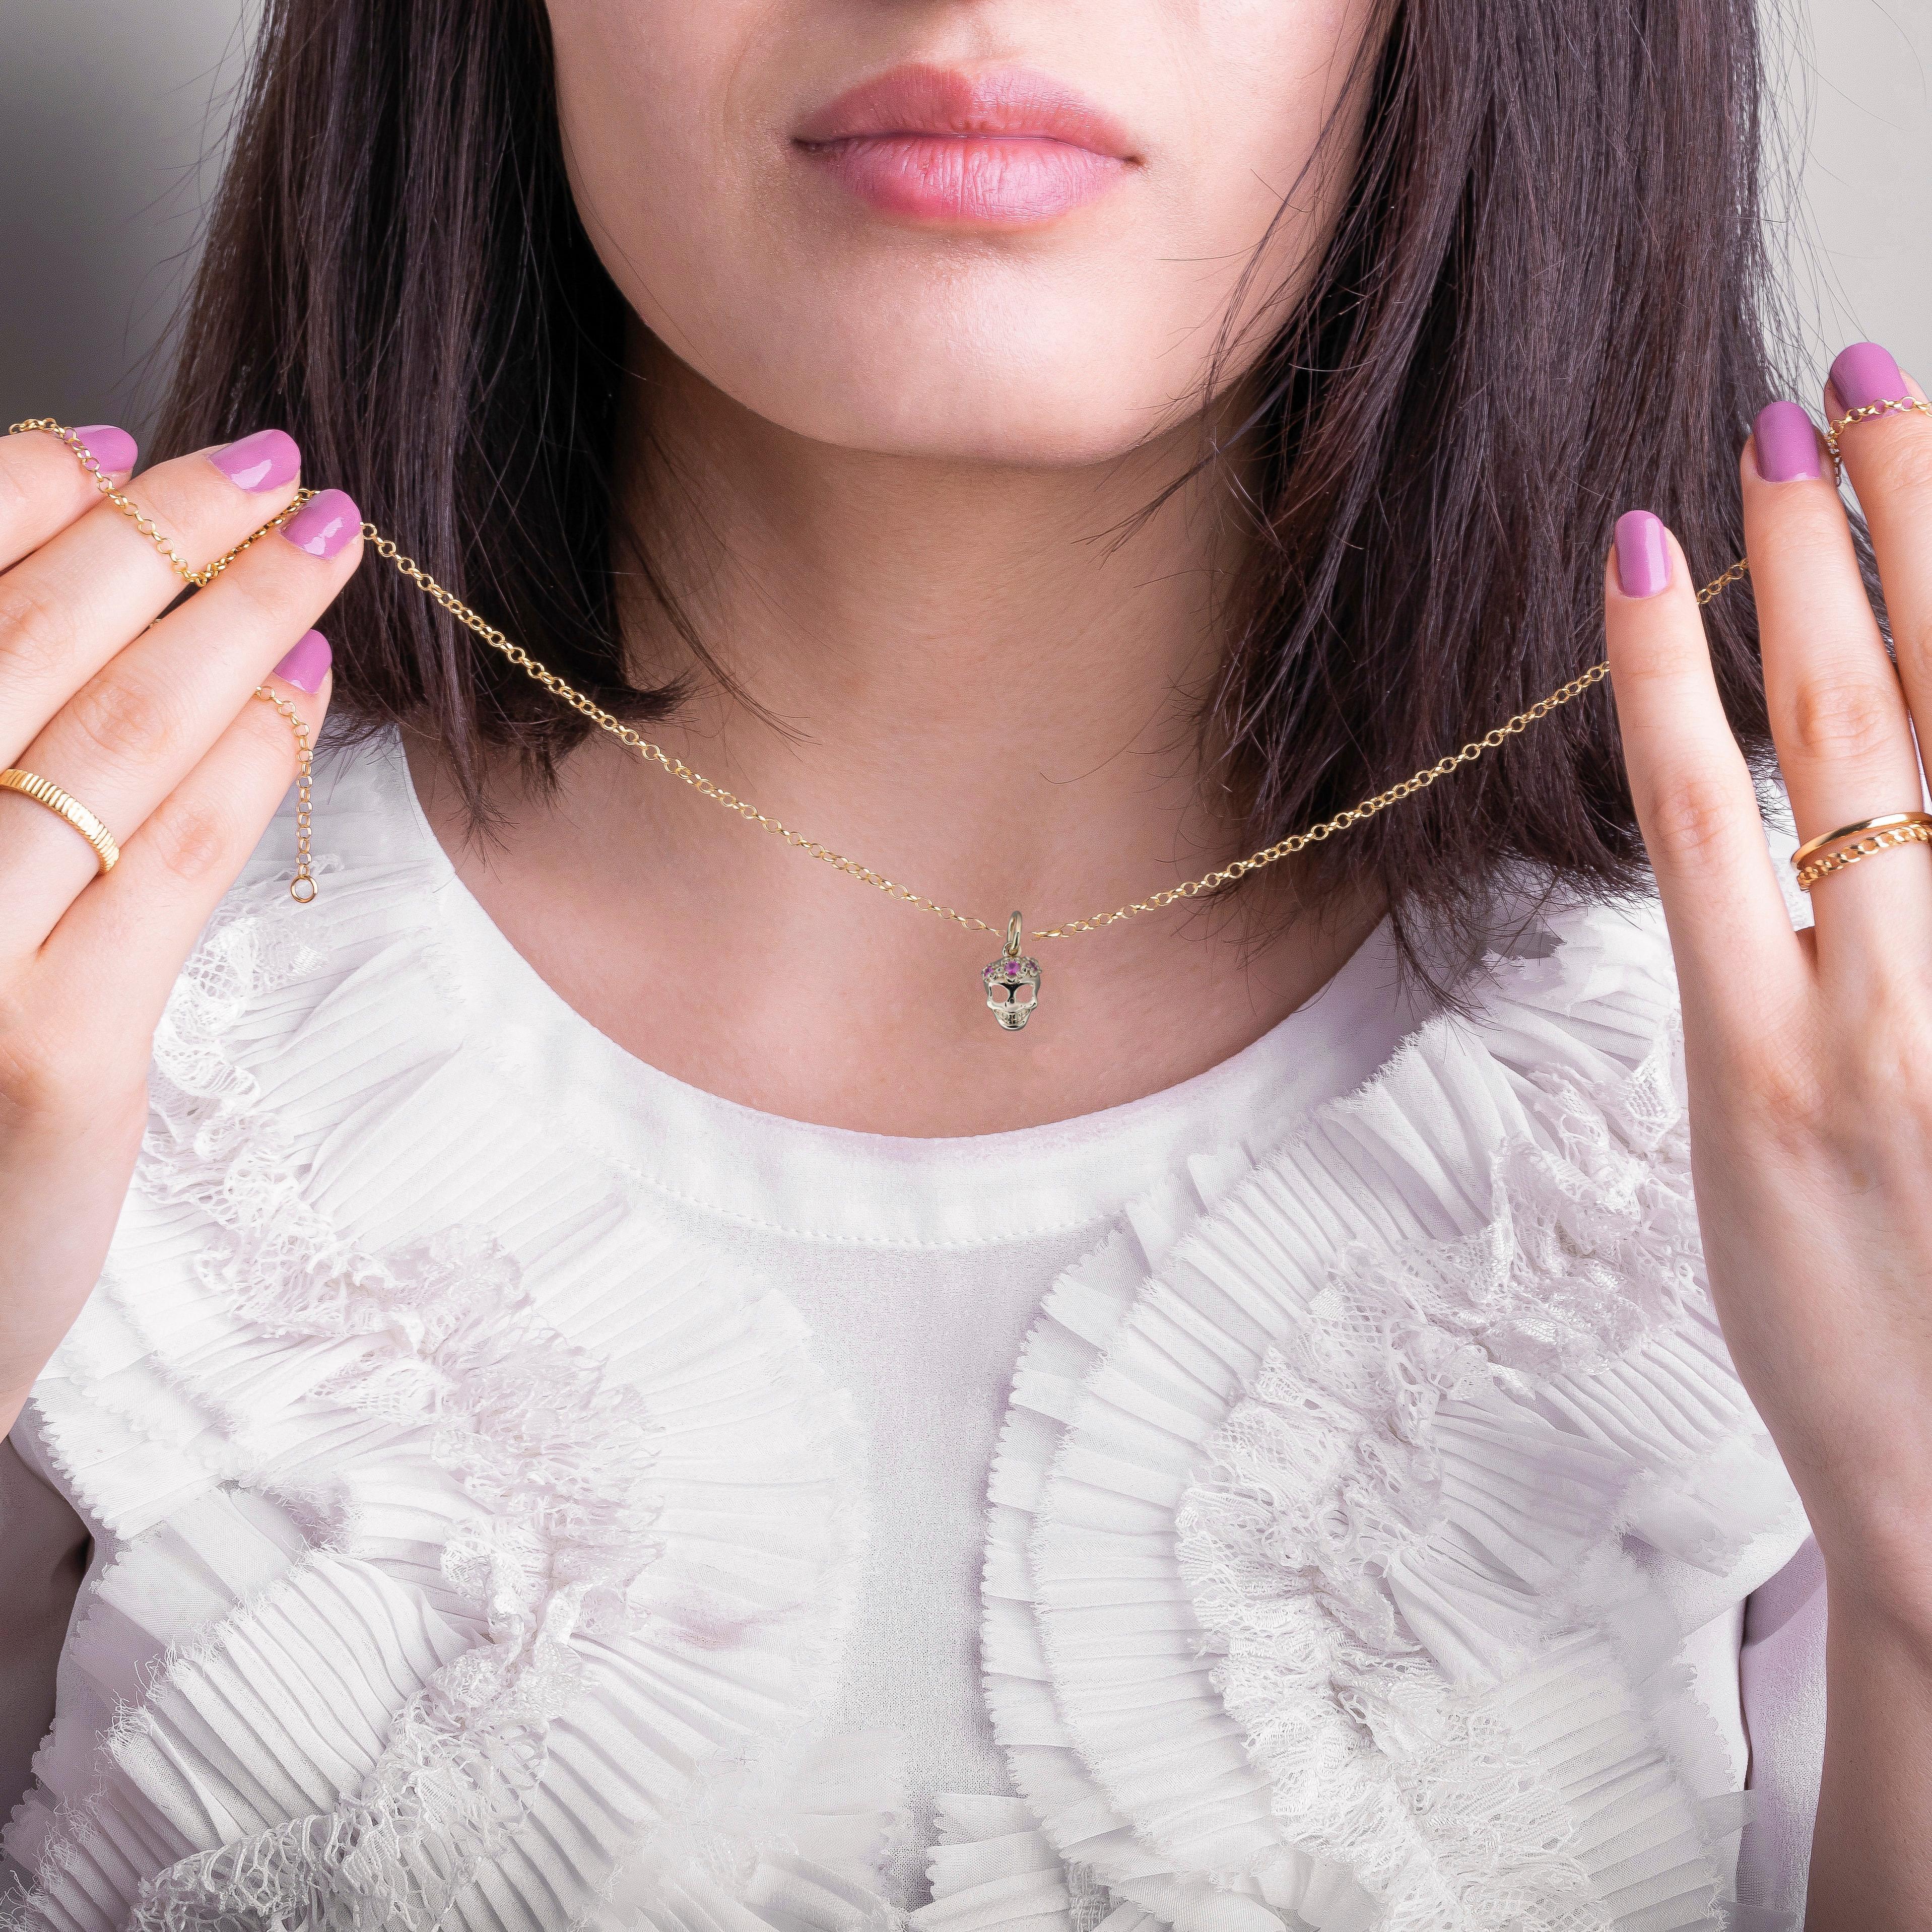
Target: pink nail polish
[114,449]
[1785,443]
[1865,373]
[325,524]
[307,662]
[266,460]
[1643,556]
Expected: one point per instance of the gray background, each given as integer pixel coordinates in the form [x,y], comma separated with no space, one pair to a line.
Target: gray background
[111,113]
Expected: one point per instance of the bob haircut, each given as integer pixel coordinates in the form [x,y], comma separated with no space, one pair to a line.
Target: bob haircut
[1547,300]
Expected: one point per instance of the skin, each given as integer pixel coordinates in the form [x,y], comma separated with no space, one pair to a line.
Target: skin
[1809,1061]
[895,466]
[896,460]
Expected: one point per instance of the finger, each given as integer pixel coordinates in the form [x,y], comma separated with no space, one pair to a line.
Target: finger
[44,487]
[1888,459]
[68,607]
[1838,714]
[133,734]
[123,941]
[1695,801]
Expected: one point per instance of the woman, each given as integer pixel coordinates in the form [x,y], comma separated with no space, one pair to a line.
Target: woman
[593,1383]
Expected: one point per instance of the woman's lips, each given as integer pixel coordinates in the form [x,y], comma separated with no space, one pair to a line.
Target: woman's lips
[974,181]
[1004,149]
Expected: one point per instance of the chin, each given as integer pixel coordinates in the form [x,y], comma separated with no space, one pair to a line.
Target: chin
[1023,418]
[1008,376]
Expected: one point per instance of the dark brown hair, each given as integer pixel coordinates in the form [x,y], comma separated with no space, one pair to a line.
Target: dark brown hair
[1545,301]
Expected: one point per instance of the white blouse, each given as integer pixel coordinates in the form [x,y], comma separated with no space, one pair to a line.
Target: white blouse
[530,1492]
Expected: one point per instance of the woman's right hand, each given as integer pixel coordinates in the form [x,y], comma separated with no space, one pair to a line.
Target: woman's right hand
[149,722]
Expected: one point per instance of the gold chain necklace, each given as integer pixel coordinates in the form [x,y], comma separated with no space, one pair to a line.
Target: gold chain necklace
[1012,981]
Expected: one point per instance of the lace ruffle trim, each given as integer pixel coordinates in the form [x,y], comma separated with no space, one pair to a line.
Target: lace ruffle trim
[549,1533]
[1311,1584]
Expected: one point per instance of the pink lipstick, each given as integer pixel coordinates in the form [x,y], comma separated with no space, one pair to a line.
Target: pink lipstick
[1009,148]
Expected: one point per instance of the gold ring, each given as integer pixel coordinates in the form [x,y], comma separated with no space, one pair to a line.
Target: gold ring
[1915,829]
[1884,822]
[71,809]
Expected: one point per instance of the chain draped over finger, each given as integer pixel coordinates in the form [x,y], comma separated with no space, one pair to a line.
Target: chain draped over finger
[1839,715]
[114,690]
[1843,715]
[303,886]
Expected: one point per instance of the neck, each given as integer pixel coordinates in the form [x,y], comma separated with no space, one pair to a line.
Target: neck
[1022,651]
[983,682]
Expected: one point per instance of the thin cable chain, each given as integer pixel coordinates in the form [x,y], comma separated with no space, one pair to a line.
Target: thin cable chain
[1834,431]
[1193,888]
[1298,841]
[301,887]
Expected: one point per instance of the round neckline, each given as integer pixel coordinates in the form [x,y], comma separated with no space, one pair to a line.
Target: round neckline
[810,1181]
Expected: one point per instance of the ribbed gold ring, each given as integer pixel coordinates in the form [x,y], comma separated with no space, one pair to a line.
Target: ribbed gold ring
[42,792]
[1884,822]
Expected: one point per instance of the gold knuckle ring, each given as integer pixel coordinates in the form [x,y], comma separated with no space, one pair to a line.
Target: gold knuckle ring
[43,791]
[1832,851]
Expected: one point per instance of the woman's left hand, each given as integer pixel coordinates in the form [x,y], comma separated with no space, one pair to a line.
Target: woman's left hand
[1809,1056]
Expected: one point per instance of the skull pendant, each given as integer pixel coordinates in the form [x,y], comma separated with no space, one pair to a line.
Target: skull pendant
[1012,982]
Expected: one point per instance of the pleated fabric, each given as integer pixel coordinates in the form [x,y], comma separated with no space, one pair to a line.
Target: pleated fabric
[474,1551]
[464,1534]
[1352,1509]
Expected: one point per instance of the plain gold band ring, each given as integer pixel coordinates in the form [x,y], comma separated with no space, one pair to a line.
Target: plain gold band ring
[1884,822]
[43,792]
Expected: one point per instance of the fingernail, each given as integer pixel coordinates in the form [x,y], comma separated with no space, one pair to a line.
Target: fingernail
[1865,373]
[328,521]
[1786,444]
[114,449]
[306,663]
[1643,556]
[266,460]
